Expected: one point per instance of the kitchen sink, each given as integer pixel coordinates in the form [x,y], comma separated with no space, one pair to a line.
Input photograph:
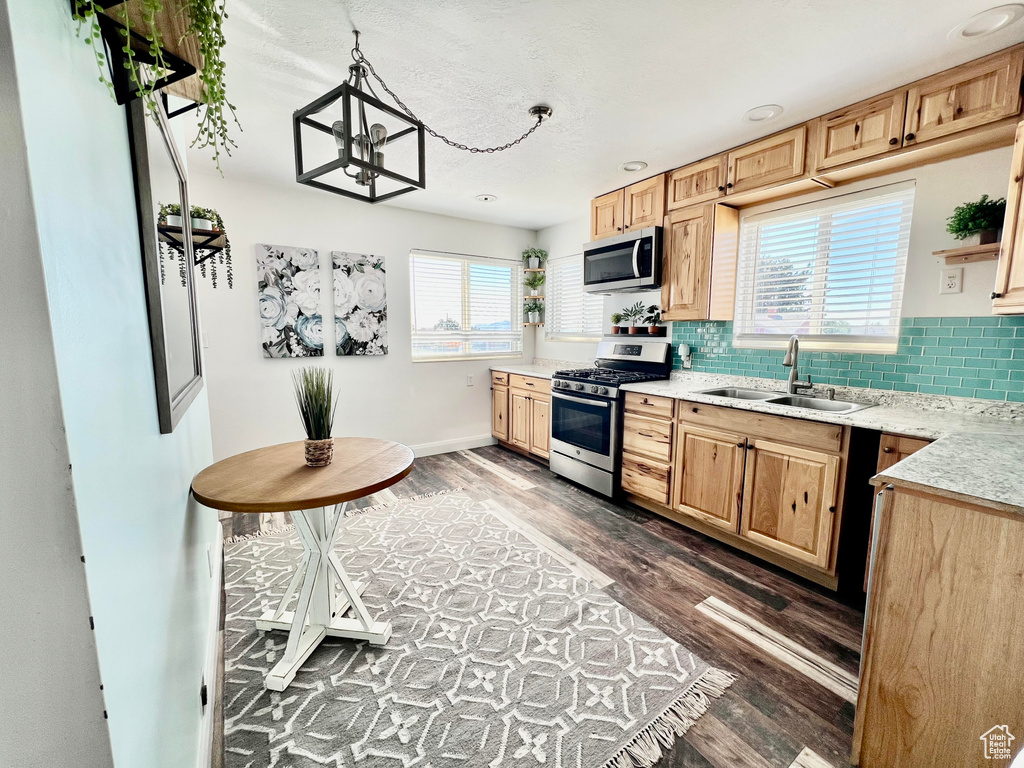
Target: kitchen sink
[740,393]
[818,403]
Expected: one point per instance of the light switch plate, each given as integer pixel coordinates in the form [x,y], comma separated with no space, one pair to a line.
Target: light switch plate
[469,379]
[951,280]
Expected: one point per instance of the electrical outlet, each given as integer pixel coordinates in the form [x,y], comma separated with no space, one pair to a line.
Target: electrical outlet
[951,280]
[469,379]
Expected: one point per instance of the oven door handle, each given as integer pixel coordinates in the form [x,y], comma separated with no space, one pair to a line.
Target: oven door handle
[598,403]
[636,259]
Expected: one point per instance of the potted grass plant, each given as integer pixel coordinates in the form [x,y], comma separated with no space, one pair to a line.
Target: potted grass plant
[534,281]
[616,321]
[634,314]
[979,221]
[317,402]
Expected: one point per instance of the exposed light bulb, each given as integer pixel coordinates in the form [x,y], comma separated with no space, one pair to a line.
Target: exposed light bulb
[338,129]
[378,135]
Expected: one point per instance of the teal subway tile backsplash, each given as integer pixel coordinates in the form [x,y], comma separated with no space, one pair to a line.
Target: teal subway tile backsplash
[964,356]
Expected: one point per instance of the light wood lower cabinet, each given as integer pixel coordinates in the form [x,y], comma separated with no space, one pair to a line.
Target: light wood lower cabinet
[644,436]
[709,475]
[646,478]
[521,412]
[789,500]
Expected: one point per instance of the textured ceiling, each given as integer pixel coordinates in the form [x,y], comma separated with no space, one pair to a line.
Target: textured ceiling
[665,82]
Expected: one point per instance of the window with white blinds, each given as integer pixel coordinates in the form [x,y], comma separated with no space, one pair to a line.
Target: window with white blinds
[830,271]
[569,312]
[465,306]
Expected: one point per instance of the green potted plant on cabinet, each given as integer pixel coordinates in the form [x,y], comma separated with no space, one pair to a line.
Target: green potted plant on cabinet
[616,320]
[317,402]
[534,257]
[634,314]
[534,281]
[533,310]
[981,220]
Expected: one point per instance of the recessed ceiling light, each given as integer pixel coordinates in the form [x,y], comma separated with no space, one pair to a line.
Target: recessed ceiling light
[762,114]
[987,22]
[633,165]
[486,198]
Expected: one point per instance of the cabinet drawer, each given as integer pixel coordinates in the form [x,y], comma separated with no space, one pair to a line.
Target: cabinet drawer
[647,437]
[500,378]
[806,434]
[649,405]
[530,383]
[643,477]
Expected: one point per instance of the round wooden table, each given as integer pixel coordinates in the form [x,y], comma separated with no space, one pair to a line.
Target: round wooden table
[276,479]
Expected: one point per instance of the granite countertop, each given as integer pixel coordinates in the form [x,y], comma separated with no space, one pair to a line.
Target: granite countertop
[975,467]
[542,369]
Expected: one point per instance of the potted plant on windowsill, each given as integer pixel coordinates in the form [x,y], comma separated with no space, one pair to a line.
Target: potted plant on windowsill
[317,402]
[616,319]
[533,310]
[634,314]
[534,257]
[653,320]
[978,222]
[534,281]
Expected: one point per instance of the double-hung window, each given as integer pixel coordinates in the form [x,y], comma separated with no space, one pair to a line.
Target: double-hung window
[465,306]
[570,314]
[830,271]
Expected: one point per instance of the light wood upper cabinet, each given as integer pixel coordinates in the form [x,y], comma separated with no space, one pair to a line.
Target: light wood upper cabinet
[699,267]
[499,412]
[697,183]
[1008,294]
[709,475]
[768,161]
[789,500]
[964,97]
[644,204]
[867,129]
[606,215]
[540,426]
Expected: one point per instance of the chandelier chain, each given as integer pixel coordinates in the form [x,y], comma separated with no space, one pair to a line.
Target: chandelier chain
[359,58]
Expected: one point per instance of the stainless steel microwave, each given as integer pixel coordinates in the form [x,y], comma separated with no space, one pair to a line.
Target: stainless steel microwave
[629,262]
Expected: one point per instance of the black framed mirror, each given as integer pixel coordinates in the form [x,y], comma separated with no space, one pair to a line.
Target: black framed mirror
[160,180]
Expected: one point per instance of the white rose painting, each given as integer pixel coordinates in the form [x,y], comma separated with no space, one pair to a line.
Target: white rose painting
[289,301]
[360,304]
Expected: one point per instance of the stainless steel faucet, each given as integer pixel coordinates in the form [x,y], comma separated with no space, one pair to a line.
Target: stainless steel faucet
[792,361]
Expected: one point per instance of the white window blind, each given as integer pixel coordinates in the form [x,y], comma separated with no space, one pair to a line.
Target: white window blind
[830,271]
[465,306]
[569,312]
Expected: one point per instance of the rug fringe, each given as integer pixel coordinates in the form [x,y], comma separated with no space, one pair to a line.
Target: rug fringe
[646,747]
[348,513]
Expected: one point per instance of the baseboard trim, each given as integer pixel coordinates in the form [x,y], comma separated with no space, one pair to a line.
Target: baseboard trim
[210,676]
[448,446]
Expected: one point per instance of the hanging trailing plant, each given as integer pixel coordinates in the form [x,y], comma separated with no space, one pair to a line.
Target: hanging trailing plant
[205,22]
[223,257]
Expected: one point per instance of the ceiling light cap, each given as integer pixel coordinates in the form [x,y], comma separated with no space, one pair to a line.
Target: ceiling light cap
[485,198]
[987,22]
[633,166]
[540,111]
[762,114]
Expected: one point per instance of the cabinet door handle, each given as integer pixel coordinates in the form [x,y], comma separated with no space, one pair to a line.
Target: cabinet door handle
[721,188]
[750,446]
[909,137]
[740,445]
[996,295]
[894,141]
[887,450]
[728,185]
[832,510]
[695,410]
[645,434]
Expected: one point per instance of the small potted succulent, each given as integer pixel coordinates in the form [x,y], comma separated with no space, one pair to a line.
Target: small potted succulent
[534,281]
[317,402]
[979,222]
[634,314]
[533,257]
[533,310]
[652,319]
[616,320]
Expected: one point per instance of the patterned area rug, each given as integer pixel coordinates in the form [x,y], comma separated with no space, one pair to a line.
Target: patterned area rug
[503,654]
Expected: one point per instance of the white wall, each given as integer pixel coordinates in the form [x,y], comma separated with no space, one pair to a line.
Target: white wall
[51,700]
[425,405]
[940,188]
[146,553]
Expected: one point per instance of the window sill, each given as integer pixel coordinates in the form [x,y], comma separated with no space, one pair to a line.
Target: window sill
[466,358]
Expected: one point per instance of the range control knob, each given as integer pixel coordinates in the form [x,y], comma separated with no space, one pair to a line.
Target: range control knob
[559,384]
[604,390]
[594,388]
[579,387]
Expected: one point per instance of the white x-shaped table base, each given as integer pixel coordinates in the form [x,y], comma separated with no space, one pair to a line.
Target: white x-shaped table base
[326,593]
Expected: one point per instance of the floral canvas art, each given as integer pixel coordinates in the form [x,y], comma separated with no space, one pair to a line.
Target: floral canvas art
[360,304]
[289,301]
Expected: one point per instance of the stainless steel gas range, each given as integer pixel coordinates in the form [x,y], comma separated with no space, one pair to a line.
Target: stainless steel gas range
[586,410]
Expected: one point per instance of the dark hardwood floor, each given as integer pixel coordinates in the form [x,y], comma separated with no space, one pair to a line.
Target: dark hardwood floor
[661,572]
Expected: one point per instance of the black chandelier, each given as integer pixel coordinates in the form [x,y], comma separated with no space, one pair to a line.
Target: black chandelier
[362,127]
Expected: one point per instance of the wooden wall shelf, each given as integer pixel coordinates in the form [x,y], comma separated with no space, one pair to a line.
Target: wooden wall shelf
[969,254]
[538,269]
[526,324]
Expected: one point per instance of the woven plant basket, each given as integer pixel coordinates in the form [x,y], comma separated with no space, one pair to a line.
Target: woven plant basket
[319,453]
